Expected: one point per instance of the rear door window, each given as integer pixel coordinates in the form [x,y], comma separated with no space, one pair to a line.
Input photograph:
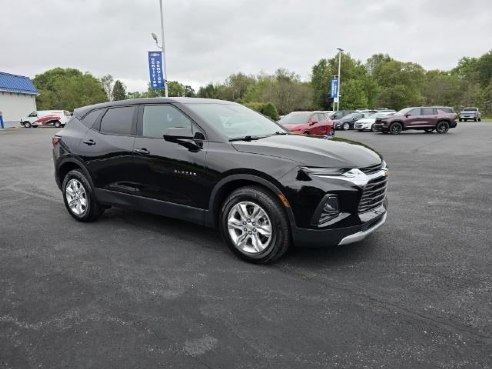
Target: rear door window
[428,111]
[118,121]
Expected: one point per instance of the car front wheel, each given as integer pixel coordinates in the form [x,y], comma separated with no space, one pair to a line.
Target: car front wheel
[79,197]
[254,225]
[442,127]
[395,128]
[346,126]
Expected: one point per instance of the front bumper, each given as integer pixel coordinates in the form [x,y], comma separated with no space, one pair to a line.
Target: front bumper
[341,236]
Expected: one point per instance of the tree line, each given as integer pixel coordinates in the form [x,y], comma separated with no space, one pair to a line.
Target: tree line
[381,81]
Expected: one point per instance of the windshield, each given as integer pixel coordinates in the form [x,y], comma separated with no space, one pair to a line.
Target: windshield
[352,115]
[404,111]
[235,121]
[295,118]
[380,115]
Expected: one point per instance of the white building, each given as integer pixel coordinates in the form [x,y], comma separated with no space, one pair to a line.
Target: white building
[17,97]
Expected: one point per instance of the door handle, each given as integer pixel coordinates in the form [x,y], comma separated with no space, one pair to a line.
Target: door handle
[89,142]
[142,151]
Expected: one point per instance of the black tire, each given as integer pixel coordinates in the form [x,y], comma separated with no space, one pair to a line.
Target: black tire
[479,119]
[57,124]
[280,240]
[373,129]
[27,125]
[346,126]
[461,120]
[93,209]
[395,128]
[306,133]
[442,127]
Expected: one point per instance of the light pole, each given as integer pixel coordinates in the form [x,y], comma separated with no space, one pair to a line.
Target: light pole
[163,48]
[340,51]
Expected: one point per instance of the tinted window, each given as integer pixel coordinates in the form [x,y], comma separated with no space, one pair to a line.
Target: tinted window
[90,118]
[118,121]
[414,112]
[321,117]
[157,118]
[428,111]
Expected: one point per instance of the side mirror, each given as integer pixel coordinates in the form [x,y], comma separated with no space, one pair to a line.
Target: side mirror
[407,115]
[313,122]
[183,137]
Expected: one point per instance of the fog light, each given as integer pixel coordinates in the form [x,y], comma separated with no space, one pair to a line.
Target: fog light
[330,209]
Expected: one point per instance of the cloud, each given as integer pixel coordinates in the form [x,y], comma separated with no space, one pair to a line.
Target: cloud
[207,40]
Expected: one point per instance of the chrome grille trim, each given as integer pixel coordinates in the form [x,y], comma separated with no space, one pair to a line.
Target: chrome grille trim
[373,194]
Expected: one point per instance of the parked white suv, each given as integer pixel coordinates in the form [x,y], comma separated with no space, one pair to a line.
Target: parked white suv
[56,118]
[470,113]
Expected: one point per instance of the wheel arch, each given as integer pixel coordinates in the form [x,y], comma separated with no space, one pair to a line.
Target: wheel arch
[231,183]
[70,164]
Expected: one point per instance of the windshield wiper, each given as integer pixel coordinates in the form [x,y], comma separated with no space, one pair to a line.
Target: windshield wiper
[246,138]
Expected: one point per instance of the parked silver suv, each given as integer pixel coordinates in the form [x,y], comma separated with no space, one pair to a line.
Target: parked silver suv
[470,113]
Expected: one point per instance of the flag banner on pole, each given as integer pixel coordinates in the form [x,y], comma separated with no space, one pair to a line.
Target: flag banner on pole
[334,88]
[156,70]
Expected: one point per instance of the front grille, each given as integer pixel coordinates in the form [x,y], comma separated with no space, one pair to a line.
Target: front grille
[373,194]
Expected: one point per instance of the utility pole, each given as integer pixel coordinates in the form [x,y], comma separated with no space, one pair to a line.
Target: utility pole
[339,68]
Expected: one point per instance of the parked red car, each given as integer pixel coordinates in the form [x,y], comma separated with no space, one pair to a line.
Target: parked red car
[308,123]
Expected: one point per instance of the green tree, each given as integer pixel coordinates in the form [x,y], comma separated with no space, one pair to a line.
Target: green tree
[119,91]
[67,89]
[107,82]
[354,94]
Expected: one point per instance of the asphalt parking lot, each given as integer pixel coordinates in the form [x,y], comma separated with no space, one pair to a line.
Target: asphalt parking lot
[141,291]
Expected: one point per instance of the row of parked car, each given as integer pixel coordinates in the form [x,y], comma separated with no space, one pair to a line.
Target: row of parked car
[425,118]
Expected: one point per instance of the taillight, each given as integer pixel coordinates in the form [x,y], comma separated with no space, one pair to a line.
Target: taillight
[55,140]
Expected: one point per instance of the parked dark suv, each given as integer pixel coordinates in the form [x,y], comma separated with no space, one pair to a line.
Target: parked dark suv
[220,164]
[426,119]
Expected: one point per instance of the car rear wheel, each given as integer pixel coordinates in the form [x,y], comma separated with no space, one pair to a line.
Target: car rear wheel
[58,124]
[442,127]
[461,120]
[373,129]
[27,125]
[396,128]
[254,225]
[79,197]
[346,126]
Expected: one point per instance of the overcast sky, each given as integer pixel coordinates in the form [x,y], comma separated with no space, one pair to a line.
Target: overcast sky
[207,40]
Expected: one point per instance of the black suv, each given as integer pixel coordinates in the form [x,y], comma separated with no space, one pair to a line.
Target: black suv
[222,165]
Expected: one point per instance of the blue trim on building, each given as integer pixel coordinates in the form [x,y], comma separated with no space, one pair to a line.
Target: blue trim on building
[16,84]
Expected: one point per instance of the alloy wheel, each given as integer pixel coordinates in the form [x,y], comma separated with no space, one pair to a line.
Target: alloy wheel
[249,227]
[76,197]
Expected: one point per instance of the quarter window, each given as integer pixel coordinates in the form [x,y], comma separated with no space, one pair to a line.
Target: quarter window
[91,118]
[157,118]
[118,121]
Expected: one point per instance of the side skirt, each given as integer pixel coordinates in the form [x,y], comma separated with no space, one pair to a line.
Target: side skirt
[158,207]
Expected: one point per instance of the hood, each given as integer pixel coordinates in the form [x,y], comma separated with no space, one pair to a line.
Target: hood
[294,127]
[313,152]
